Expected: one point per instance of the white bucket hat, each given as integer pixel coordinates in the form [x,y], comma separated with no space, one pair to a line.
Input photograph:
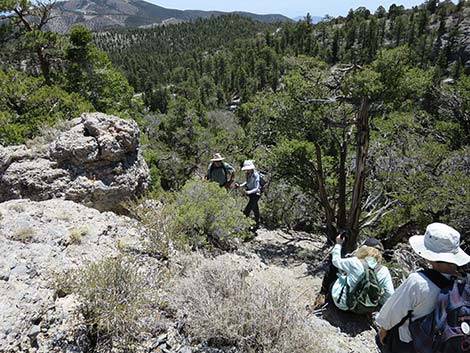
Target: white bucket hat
[217,157]
[248,165]
[440,243]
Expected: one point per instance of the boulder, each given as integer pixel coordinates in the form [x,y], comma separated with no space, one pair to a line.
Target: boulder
[97,162]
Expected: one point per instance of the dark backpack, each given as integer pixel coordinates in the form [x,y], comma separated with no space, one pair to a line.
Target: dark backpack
[447,328]
[263,181]
[365,296]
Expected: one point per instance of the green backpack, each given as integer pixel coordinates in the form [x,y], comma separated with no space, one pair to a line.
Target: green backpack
[365,296]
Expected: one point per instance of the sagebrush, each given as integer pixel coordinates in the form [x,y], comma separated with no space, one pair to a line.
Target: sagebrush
[223,306]
[118,301]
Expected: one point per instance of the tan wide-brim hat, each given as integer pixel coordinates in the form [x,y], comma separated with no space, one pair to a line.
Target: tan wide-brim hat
[440,243]
[248,165]
[217,157]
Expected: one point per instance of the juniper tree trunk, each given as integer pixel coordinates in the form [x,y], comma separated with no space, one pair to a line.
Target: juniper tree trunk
[353,217]
[362,151]
[322,192]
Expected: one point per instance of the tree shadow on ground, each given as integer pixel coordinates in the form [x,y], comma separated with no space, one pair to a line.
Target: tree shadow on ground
[280,254]
[290,252]
[349,323]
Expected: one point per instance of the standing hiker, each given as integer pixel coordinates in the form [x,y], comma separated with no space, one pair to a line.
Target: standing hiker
[220,171]
[252,190]
[417,297]
[363,284]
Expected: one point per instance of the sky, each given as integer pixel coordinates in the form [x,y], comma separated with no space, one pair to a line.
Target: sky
[290,8]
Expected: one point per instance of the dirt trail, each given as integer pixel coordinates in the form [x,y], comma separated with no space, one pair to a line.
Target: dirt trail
[292,260]
[289,261]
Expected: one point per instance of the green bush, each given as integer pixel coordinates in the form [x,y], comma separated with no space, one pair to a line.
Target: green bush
[287,206]
[27,104]
[205,215]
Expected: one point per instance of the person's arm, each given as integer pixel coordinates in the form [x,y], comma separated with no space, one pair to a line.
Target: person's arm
[403,300]
[231,175]
[208,172]
[347,265]
[387,284]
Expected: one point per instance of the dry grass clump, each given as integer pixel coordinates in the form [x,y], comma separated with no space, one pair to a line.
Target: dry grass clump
[76,234]
[24,234]
[223,306]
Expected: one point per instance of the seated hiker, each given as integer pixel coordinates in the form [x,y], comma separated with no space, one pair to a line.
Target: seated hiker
[220,171]
[252,190]
[363,284]
[417,297]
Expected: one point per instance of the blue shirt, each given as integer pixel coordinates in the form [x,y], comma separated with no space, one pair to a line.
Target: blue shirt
[252,183]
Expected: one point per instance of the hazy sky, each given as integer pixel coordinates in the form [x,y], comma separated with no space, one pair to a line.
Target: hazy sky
[290,8]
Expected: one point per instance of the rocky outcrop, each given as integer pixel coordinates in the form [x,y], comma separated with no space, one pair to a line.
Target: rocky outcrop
[97,162]
[37,241]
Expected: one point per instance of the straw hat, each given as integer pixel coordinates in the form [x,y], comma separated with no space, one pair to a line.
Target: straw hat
[440,243]
[248,165]
[217,157]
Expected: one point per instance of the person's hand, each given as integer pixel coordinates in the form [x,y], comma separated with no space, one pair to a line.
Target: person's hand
[339,239]
[382,335]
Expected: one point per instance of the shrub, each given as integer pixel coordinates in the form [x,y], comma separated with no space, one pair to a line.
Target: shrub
[27,104]
[117,300]
[223,306]
[154,221]
[24,234]
[287,206]
[205,215]
[76,234]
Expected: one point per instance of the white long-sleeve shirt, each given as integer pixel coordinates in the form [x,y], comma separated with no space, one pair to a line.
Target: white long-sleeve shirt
[353,269]
[252,184]
[416,293]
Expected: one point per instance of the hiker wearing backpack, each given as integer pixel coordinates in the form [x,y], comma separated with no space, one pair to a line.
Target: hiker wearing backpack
[430,310]
[252,190]
[363,284]
[220,171]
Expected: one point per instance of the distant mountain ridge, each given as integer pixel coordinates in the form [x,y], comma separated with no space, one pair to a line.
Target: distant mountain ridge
[102,14]
[315,19]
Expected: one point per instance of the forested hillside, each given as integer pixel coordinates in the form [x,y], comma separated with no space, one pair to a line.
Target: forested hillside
[211,54]
[211,58]
[359,123]
[362,122]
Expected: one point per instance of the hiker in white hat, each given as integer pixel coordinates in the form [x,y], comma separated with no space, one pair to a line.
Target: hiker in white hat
[220,172]
[252,190]
[417,296]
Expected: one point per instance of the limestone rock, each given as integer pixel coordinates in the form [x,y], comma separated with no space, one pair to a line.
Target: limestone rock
[97,162]
[36,244]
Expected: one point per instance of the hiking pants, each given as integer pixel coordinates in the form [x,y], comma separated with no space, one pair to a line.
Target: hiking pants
[393,344]
[253,206]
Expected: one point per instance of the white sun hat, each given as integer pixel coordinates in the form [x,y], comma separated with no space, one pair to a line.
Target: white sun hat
[248,165]
[440,243]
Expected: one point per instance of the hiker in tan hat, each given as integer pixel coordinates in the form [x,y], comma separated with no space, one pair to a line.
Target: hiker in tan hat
[252,190]
[220,171]
[418,295]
